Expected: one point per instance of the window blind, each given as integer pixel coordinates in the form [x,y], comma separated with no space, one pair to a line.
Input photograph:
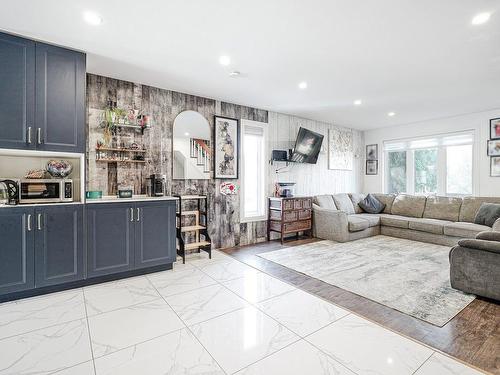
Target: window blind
[452,139]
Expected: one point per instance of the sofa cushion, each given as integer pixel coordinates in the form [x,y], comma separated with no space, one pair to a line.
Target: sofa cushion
[394,221]
[488,213]
[442,208]
[371,205]
[408,205]
[428,225]
[357,224]
[489,236]
[387,199]
[470,207]
[356,198]
[343,203]
[464,230]
[325,201]
[373,219]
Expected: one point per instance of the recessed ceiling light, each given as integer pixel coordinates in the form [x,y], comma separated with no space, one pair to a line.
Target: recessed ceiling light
[390,114]
[358,102]
[303,85]
[225,60]
[481,18]
[92,18]
[234,74]
[186,134]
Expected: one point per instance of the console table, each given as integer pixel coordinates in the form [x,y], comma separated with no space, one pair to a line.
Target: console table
[289,215]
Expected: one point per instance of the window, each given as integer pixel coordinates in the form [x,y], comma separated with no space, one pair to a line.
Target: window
[253,184]
[438,165]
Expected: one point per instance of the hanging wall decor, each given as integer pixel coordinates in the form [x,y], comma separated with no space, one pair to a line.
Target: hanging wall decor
[495,128]
[340,149]
[226,147]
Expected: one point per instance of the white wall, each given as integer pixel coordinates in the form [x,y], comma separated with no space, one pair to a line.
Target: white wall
[311,179]
[484,185]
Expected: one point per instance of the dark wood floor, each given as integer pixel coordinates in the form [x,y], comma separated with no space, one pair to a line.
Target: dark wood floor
[473,336]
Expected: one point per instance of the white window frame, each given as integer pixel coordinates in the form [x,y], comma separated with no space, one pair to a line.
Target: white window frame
[263,162]
[441,163]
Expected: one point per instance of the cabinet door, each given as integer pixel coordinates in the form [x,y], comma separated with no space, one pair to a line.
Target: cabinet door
[155,233]
[16,250]
[17,92]
[60,99]
[58,244]
[110,238]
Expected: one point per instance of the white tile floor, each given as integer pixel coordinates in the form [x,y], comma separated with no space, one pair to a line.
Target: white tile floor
[214,316]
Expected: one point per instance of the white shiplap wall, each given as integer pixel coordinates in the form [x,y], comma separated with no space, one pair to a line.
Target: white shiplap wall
[312,179]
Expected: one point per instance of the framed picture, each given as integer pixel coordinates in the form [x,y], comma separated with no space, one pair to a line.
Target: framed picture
[372,167]
[495,166]
[372,152]
[226,147]
[495,128]
[494,148]
[340,149]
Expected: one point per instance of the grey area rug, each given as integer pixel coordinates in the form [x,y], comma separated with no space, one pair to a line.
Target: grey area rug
[409,276]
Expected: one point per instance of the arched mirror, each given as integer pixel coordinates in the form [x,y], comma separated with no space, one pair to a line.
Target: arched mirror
[191,147]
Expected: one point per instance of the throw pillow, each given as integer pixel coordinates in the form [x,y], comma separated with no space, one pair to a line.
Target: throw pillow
[371,205]
[488,213]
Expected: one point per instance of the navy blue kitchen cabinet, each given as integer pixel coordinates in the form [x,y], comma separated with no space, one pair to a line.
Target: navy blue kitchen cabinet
[16,250]
[110,238]
[59,244]
[42,96]
[17,92]
[60,99]
[155,236]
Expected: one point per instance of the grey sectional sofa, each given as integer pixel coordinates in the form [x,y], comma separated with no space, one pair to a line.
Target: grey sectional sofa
[439,220]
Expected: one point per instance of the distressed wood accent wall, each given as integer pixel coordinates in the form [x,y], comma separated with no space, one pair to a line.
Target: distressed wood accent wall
[163,106]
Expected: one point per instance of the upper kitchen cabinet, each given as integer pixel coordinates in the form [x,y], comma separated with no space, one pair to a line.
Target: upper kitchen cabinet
[42,96]
[60,99]
[17,92]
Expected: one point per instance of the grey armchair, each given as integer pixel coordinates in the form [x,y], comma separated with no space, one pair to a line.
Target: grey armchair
[475,264]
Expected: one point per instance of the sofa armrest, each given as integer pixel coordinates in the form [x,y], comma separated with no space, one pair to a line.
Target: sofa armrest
[330,224]
[488,235]
[491,246]
[496,225]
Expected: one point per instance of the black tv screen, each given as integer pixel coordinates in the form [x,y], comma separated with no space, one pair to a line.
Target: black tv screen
[307,147]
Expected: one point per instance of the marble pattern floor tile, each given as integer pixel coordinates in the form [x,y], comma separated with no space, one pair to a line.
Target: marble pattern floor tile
[201,259]
[178,352]
[47,350]
[302,312]
[442,365]
[39,312]
[242,337]
[168,283]
[227,270]
[131,325]
[114,295]
[86,368]
[299,358]
[256,287]
[205,303]
[367,348]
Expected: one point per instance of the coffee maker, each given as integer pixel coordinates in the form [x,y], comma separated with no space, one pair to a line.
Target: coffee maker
[157,185]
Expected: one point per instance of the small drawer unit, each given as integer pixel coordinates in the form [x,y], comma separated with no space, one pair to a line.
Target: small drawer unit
[289,215]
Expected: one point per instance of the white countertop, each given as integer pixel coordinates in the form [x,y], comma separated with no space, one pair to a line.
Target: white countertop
[135,198]
[40,204]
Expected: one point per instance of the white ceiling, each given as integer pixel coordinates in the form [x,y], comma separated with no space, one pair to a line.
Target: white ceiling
[420,58]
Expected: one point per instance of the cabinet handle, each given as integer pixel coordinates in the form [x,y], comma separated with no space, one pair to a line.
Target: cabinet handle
[138,214]
[29,135]
[131,214]
[39,135]
[39,222]
[29,222]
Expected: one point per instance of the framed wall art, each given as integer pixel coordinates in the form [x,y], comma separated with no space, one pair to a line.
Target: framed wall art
[494,148]
[495,166]
[372,152]
[340,149]
[495,128]
[226,147]
[371,167]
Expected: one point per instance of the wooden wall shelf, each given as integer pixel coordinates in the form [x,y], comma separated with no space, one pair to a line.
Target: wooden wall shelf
[120,161]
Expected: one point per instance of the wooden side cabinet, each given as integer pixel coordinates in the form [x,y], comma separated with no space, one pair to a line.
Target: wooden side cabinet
[289,215]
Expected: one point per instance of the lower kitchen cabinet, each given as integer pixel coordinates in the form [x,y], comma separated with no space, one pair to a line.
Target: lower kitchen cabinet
[59,244]
[16,250]
[110,238]
[155,236]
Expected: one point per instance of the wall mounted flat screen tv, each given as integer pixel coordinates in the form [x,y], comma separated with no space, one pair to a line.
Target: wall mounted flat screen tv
[307,147]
